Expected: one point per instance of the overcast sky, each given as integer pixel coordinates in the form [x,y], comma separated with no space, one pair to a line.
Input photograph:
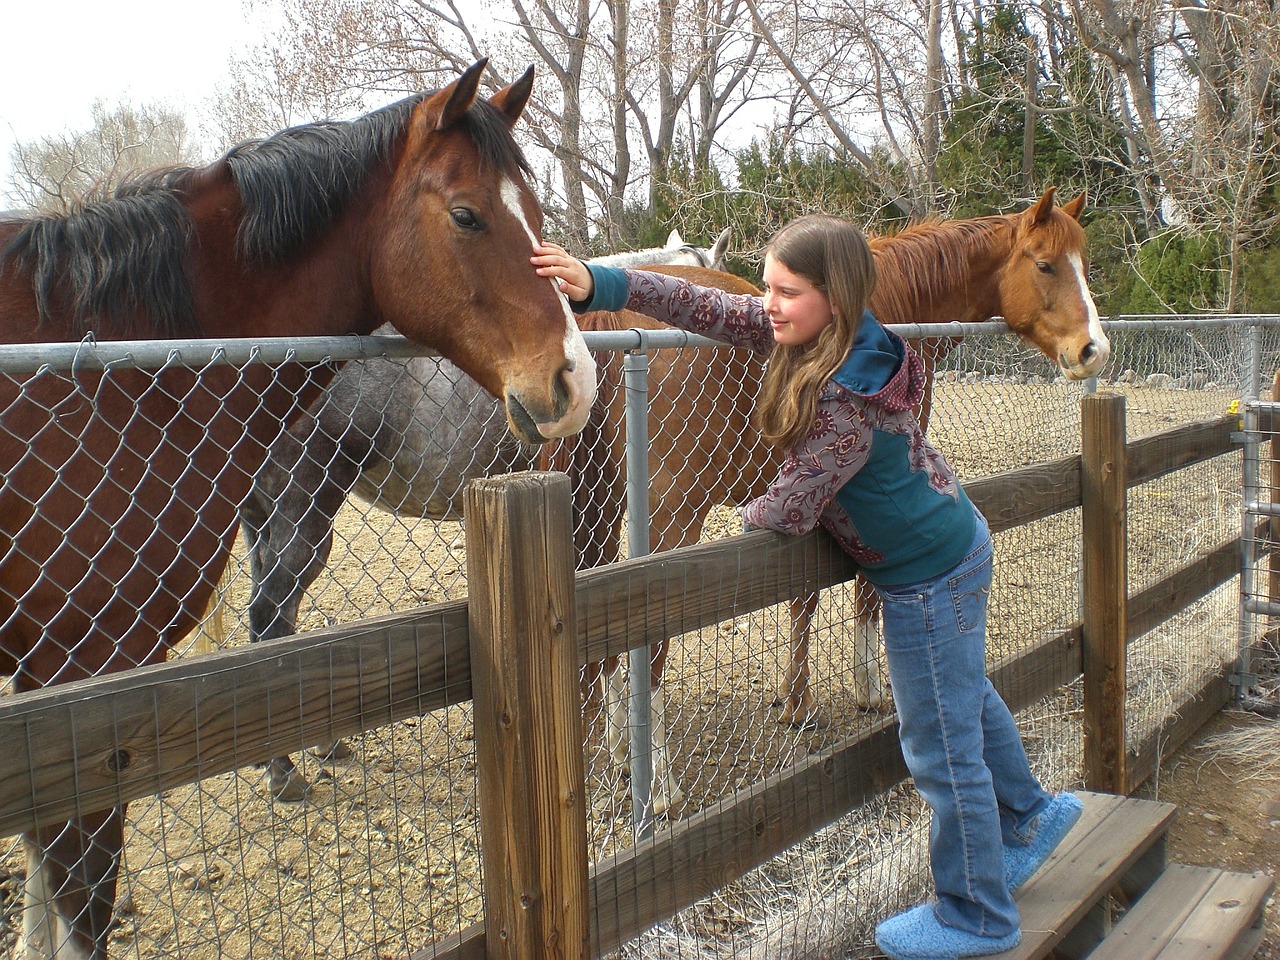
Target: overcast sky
[62,55]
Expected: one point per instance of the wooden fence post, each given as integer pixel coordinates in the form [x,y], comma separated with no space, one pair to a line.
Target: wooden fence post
[1105,585]
[528,716]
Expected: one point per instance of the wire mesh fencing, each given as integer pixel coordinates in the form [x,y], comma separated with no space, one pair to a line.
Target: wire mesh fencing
[375,853]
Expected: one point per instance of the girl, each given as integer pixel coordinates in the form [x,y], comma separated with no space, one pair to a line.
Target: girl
[837,400]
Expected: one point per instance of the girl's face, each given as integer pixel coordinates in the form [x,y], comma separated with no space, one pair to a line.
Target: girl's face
[797,310]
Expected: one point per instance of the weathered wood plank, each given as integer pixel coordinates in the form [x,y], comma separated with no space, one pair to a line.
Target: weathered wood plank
[1017,497]
[1104,522]
[1190,913]
[697,855]
[528,716]
[1157,454]
[1113,834]
[97,743]
[1173,593]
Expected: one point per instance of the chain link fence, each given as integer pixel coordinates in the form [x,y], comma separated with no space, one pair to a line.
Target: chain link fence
[382,856]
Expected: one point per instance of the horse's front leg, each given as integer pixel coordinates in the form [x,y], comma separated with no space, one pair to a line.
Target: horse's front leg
[70,889]
[39,920]
[613,679]
[868,691]
[665,792]
[799,709]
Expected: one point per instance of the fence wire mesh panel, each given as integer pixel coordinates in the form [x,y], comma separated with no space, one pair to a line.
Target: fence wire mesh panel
[1259,667]
[374,853]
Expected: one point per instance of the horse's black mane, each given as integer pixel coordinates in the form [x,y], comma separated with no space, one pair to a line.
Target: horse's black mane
[122,258]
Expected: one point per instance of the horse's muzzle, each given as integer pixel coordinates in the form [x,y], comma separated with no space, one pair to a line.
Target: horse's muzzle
[522,424]
[1092,358]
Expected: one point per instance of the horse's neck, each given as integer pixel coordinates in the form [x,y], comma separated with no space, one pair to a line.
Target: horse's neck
[320,290]
[947,272]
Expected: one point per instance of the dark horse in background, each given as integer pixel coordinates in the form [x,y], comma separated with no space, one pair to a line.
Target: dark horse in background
[1029,268]
[122,489]
[402,434]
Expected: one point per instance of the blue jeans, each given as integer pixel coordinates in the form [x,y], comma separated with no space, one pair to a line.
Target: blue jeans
[959,740]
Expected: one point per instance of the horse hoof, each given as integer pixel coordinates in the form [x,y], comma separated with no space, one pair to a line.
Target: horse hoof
[811,719]
[338,750]
[291,788]
[664,805]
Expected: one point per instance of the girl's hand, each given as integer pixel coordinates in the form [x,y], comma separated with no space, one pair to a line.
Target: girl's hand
[572,275]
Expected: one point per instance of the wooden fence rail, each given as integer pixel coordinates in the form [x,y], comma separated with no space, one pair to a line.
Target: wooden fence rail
[86,745]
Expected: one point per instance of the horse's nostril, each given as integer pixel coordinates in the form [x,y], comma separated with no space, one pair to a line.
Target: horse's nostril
[1089,352]
[560,390]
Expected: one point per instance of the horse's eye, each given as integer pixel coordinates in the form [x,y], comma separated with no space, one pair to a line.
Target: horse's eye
[465,218]
[1044,266]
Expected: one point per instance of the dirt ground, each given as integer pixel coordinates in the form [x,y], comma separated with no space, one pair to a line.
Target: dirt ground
[217,870]
[1226,784]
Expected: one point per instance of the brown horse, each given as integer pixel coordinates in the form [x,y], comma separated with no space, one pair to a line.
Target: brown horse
[1029,268]
[121,488]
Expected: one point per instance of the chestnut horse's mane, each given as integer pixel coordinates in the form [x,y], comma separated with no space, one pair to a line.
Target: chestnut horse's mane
[125,254]
[915,263]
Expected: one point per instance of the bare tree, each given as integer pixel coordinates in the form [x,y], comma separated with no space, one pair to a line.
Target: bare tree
[55,173]
[871,75]
[1198,86]
[612,105]
[328,59]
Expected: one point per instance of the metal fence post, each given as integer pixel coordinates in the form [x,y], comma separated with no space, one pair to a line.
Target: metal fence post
[635,367]
[528,716]
[1252,605]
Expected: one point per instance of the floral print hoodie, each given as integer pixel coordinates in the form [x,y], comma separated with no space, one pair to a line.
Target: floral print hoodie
[865,470]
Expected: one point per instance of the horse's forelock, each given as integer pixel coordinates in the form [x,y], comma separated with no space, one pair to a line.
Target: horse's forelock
[120,259]
[294,184]
[490,130]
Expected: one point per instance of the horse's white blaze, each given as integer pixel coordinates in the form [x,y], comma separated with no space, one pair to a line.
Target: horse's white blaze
[581,379]
[1096,333]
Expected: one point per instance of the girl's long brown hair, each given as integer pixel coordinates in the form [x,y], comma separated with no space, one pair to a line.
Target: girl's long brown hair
[833,255]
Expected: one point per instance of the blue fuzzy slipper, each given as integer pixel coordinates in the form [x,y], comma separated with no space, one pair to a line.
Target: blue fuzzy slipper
[918,934]
[1053,824]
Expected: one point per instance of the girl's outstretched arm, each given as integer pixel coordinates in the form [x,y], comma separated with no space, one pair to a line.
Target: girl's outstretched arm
[570,273]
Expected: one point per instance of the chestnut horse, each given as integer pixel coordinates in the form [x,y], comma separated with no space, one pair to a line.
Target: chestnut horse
[122,488]
[1028,268]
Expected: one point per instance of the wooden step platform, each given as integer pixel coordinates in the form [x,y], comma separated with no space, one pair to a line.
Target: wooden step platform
[1114,864]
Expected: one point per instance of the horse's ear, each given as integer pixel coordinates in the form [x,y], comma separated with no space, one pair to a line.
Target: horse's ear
[674,239]
[721,246]
[1042,208]
[1073,208]
[511,99]
[458,96]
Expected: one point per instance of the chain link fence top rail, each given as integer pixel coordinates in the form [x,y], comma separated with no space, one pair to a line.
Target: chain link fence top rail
[382,855]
